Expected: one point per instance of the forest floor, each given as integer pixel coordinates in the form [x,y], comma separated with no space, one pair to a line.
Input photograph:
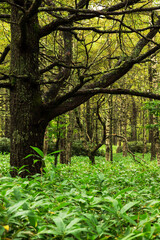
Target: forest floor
[119,200]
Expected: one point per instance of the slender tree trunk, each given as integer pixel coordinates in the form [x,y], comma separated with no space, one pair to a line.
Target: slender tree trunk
[45,142]
[157,141]
[66,139]
[27,126]
[91,158]
[144,135]
[70,136]
[134,121]
[158,149]
[56,149]
[111,128]
[63,140]
[109,155]
[108,139]
[119,139]
[124,127]
[89,121]
[152,138]
[4,113]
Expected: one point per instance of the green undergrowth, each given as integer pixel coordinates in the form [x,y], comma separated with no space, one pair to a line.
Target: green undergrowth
[119,200]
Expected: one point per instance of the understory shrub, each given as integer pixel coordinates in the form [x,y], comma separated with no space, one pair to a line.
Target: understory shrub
[51,147]
[107,201]
[78,149]
[138,146]
[4,145]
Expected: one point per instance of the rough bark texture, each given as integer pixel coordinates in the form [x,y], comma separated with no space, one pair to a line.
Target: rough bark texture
[27,129]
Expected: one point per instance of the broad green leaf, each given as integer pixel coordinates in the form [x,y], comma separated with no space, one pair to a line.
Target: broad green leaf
[1,230]
[29,155]
[21,213]
[58,151]
[127,207]
[14,207]
[129,219]
[123,191]
[39,151]
[132,236]
[74,232]
[153,202]
[32,218]
[17,193]
[72,223]
[60,224]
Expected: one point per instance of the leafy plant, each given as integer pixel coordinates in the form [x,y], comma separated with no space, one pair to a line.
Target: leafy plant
[80,201]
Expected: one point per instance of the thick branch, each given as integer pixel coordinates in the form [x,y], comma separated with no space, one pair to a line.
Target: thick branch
[4,54]
[33,9]
[83,95]
[126,64]
[147,54]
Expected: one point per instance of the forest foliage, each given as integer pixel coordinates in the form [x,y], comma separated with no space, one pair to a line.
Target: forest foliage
[81,201]
[58,56]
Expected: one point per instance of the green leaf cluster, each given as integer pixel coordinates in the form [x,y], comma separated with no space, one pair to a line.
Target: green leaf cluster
[80,201]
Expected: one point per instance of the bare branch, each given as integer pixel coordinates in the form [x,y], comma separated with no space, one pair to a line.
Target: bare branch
[104,12]
[59,64]
[147,54]
[4,77]
[4,16]
[105,31]
[47,29]
[4,54]
[15,5]
[126,64]
[118,91]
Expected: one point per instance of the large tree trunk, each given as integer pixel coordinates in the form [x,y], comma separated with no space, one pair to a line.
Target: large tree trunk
[27,127]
